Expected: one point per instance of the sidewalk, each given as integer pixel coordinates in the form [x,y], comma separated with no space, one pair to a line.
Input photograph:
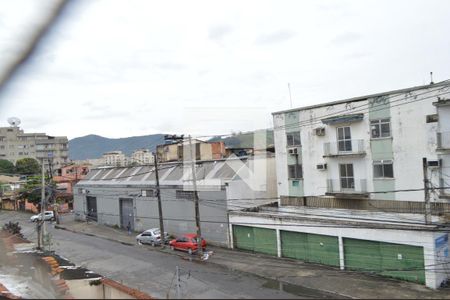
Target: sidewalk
[289,275]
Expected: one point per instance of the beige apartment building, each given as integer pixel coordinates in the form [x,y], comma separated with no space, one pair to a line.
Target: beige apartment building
[142,157]
[15,144]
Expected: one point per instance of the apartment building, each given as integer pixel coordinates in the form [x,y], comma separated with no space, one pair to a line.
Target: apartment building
[350,177]
[142,157]
[16,144]
[114,158]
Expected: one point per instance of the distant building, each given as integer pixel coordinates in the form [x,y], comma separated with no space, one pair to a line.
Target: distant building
[68,176]
[115,158]
[15,145]
[142,157]
[203,151]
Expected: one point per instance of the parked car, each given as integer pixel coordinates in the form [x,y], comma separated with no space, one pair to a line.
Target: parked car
[152,237]
[48,215]
[187,242]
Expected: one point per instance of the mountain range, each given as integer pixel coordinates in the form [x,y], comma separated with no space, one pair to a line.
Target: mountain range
[93,146]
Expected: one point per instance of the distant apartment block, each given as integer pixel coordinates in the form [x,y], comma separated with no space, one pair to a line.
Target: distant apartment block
[142,157]
[115,158]
[15,144]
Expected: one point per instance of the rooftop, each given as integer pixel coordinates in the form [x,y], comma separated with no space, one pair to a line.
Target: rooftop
[361,98]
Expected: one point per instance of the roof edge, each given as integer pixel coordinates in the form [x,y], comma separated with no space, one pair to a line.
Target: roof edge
[361,98]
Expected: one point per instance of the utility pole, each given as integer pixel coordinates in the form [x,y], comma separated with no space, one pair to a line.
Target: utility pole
[427,191]
[42,220]
[158,194]
[197,209]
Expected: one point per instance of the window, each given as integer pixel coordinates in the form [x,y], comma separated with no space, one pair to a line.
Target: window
[383,169]
[293,139]
[295,171]
[380,128]
[432,118]
[148,193]
[344,139]
[347,178]
[188,195]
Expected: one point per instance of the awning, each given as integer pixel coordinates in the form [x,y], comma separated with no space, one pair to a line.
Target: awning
[343,119]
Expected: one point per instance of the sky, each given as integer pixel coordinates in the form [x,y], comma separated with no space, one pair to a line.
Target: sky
[128,68]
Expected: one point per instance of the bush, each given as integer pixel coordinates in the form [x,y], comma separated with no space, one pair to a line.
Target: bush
[13,228]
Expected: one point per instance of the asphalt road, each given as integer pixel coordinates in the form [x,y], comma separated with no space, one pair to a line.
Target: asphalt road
[149,270]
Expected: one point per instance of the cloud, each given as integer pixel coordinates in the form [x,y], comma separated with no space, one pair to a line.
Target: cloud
[170,66]
[274,37]
[218,32]
[346,38]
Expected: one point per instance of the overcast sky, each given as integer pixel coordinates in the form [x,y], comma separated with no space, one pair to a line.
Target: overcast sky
[126,68]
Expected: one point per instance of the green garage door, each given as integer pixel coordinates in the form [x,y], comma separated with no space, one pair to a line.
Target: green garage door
[256,239]
[393,260]
[317,248]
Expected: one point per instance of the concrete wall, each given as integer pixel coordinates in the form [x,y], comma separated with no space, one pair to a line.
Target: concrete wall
[412,138]
[179,214]
[437,267]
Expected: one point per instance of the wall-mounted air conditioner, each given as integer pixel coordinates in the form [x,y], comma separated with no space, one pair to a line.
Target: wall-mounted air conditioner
[321,167]
[434,163]
[293,151]
[319,131]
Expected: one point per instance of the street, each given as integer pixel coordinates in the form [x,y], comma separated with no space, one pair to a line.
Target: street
[151,271]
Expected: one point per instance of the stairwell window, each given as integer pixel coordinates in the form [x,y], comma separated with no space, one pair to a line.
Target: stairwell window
[383,169]
[295,171]
[293,139]
[380,128]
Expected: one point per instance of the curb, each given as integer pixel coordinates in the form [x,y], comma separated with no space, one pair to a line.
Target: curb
[94,235]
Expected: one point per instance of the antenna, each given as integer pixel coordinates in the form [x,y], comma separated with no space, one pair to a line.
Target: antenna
[431,76]
[290,96]
[14,121]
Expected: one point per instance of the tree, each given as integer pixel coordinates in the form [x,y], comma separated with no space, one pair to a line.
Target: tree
[28,166]
[33,187]
[6,167]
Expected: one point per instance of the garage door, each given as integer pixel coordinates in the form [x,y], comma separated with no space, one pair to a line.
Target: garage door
[255,239]
[394,260]
[316,248]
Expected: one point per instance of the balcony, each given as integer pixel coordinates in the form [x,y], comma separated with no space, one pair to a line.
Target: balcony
[344,148]
[443,140]
[347,187]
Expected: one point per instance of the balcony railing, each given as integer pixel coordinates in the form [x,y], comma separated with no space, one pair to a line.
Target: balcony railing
[347,186]
[443,140]
[348,147]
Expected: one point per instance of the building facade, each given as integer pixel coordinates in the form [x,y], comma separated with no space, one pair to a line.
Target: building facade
[15,144]
[114,158]
[142,157]
[350,177]
[362,147]
[202,151]
[122,196]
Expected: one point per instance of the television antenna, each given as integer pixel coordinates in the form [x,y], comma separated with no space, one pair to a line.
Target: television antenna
[14,121]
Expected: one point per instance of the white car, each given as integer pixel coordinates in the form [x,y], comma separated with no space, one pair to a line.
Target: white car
[152,237]
[48,215]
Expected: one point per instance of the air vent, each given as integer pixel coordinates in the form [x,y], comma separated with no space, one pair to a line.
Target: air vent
[321,167]
[320,131]
[293,151]
[434,163]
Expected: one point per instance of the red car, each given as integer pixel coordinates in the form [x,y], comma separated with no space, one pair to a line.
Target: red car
[187,242]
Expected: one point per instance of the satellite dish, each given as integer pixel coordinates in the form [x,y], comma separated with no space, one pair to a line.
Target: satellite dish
[13,121]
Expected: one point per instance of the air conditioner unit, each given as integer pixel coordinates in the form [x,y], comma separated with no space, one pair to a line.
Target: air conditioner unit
[293,151]
[321,167]
[320,131]
[434,163]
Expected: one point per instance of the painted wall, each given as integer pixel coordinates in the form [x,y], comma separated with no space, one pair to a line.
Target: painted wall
[434,264]
[412,139]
